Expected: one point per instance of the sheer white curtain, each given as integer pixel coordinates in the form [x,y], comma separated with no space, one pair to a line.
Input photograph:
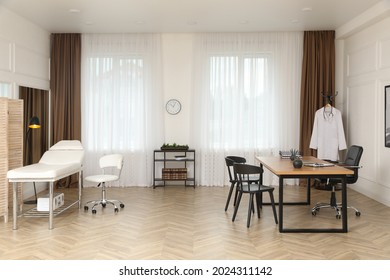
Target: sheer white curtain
[121,102]
[245,98]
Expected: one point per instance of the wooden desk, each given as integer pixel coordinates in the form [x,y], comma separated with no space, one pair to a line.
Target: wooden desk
[284,169]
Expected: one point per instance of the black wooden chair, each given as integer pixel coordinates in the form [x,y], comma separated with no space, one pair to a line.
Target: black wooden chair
[230,160]
[246,185]
[352,161]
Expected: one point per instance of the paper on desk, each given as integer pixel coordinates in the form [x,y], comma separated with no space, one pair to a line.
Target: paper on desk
[316,164]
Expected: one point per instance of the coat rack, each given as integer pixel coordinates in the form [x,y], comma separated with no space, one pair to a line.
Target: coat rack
[329,97]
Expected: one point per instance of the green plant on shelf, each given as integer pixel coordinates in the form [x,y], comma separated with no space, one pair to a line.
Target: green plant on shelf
[174,146]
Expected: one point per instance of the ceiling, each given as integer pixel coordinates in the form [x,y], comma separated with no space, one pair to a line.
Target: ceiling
[127,16]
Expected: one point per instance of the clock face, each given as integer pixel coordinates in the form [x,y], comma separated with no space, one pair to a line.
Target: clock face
[173,106]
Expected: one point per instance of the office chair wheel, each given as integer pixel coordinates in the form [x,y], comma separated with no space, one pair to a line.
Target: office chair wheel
[86,208]
[104,205]
[94,211]
[314,213]
[116,210]
[357,213]
[338,216]
[123,206]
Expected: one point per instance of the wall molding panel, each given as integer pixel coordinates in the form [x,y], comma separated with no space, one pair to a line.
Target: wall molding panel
[384,53]
[358,102]
[362,61]
[366,56]
[30,63]
[24,57]
[5,55]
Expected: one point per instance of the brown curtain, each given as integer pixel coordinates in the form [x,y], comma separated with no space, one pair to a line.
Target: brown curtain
[65,85]
[318,78]
[36,103]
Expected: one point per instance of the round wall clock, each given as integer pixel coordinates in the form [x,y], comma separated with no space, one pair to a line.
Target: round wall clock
[173,106]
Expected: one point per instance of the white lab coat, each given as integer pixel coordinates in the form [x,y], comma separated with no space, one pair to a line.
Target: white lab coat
[328,134]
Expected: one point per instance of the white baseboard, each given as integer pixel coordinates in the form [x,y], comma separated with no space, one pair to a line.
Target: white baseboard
[372,190]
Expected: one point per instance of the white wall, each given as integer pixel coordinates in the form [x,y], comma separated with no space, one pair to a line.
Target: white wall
[364,50]
[24,52]
[24,57]
[177,80]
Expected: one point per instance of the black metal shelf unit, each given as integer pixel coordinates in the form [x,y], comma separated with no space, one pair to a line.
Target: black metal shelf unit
[173,165]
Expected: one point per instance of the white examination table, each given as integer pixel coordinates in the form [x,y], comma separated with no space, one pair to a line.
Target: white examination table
[61,160]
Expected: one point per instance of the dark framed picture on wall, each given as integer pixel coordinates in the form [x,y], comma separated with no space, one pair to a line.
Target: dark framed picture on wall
[387,116]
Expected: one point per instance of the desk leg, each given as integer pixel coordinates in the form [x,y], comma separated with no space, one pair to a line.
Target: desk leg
[15,206]
[344,210]
[280,204]
[308,191]
[51,205]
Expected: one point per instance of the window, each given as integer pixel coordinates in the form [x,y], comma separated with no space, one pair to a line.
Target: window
[5,90]
[118,94]
[121,100]
[240,93]
[246,92]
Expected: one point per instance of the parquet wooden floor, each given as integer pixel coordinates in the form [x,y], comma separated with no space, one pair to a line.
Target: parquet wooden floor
[190,224]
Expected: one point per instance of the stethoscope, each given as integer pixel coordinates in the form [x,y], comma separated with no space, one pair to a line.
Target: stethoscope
[326,114]
[329,98]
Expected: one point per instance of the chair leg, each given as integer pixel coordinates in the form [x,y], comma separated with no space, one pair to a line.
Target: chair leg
[271,196]
[258,204]
[236,206]
[260,200]
[111,202]
[333,202]
[253,207]
[250,208]
[357,212]
[235,197]
[229,196]
[103,202]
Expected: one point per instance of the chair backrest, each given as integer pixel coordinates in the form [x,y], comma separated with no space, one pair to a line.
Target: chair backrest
[230,161]
[354,154]
[243,172]
[112,161]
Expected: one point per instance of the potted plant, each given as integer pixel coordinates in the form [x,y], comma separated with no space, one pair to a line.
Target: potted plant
[296,159]
[293,154]
[174,146]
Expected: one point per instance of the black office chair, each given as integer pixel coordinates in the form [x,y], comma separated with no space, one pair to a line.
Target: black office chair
[245,184]
[230,160]
[352,161]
